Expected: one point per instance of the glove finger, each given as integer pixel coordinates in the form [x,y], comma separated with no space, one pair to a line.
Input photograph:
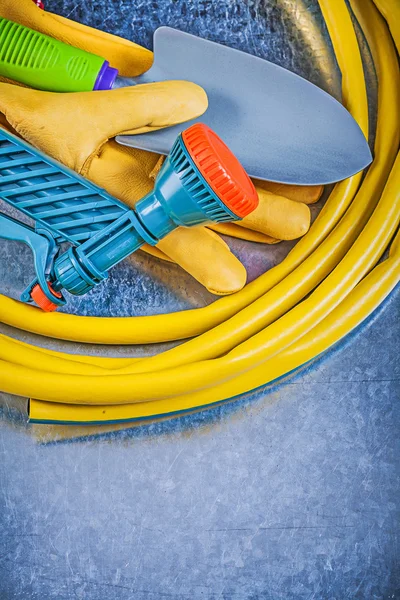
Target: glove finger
[5,124]
[242,233]
[156,252]
[130,59]
[308,194]
[6,80]
[73,127]
[217,238]
[208,260]
[124,172]
[278,217]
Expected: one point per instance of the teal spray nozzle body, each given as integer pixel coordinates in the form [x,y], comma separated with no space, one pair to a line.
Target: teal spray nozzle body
[200,181]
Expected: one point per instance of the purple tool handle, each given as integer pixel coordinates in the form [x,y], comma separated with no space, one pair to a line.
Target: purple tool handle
[106,77]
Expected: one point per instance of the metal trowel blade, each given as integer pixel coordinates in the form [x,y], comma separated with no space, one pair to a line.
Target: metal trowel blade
[280,126]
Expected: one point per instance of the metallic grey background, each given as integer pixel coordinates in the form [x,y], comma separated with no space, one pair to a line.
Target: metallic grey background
[290,493]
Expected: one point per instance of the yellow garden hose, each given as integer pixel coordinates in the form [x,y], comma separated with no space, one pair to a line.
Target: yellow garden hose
[264,332]
[391,12]
[357,306]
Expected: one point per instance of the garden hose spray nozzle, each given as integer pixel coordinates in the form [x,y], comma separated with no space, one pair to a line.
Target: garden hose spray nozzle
[200,181]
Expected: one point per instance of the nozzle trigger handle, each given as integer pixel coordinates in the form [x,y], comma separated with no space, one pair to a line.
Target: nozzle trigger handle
[44,249]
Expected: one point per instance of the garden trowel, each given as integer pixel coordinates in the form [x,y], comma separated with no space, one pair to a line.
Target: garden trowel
[280,126]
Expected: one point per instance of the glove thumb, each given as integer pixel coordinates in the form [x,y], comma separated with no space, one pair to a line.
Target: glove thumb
[73,127]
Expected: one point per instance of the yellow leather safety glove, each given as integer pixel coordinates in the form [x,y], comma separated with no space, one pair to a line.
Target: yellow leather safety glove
[128,173]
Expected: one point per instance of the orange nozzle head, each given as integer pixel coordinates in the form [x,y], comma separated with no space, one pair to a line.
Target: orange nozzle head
[221,169]
[42,300]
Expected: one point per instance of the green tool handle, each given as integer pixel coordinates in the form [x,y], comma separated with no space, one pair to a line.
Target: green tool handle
[41,62]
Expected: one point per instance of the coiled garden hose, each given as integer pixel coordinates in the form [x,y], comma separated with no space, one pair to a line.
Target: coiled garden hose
[325,287]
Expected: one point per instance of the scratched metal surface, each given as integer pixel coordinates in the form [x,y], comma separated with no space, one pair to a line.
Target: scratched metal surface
[291,493]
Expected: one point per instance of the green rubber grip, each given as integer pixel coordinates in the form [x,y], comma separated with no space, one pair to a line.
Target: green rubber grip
[41,62]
